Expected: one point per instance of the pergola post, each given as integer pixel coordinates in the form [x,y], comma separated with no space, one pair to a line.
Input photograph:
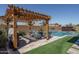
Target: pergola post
[14,33]
[30,24]
[47,30]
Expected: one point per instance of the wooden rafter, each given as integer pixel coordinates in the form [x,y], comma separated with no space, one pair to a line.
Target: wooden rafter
[21,13]
[15,13]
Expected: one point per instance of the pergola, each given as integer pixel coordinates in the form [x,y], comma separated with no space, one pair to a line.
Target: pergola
[14,13]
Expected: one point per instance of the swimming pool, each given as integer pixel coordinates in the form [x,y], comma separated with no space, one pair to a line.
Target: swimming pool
[61,33]
[56,33]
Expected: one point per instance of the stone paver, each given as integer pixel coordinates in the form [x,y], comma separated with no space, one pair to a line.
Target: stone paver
[10,51]
[37,44]
[75,46]
[74,49]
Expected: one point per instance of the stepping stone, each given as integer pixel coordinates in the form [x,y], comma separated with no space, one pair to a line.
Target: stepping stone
[3,51]
[10,51]
[73,51]
[75,46]
[27,40]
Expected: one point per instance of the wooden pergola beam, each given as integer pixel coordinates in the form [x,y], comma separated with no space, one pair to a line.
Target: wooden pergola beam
[26,13]
[14,32]
[47,29]
[15,13]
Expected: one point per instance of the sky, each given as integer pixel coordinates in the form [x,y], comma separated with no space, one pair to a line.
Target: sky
[60,13]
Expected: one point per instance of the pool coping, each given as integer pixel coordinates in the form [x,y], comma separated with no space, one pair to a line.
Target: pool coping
[38,43]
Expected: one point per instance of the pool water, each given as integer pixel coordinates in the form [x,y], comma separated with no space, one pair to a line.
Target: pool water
[77,42]
[60,33]
[74,40]
[55,33]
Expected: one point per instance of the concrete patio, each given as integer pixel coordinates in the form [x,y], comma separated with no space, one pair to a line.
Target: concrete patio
[74,49]
[37,44]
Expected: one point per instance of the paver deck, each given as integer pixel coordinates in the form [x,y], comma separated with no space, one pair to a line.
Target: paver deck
[37,44]
[74,49]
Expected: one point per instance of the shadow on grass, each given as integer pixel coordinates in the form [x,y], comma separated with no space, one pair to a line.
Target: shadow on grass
[74,39]
[57,47]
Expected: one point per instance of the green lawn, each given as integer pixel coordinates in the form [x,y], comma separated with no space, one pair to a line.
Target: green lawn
[57,47]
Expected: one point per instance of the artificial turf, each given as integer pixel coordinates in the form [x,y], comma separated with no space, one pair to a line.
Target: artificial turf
[57,47]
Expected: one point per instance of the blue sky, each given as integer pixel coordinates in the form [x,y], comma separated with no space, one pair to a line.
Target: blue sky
[62,14]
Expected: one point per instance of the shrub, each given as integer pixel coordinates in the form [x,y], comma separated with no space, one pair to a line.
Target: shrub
[3,39]
[21,33]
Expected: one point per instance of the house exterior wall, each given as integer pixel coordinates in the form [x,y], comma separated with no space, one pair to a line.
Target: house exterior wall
[76,28]
[56,27]
[68,29]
